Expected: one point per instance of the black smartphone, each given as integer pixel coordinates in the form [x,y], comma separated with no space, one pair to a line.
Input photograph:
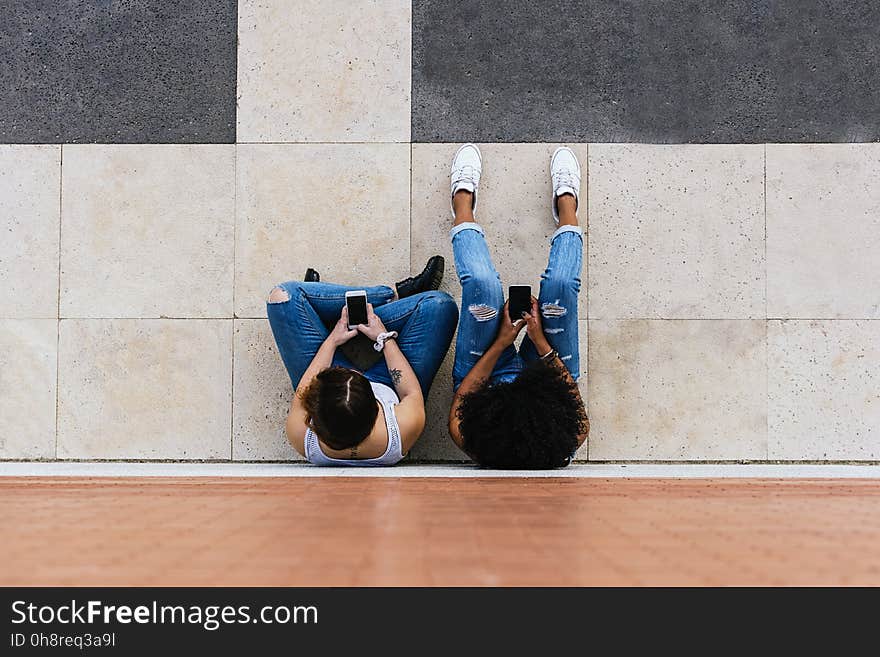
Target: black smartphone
[356,302]
[519,301]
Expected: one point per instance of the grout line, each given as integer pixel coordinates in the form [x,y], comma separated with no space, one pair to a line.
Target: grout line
[412,40]
[318,143]
[576,139]
[443,142]
[232,394]
[586,283]
[736,319]
[232,321]
[766,303]
[234,217]
[766,320]
[767,385]
[163,317]
[410,209]
[58,299]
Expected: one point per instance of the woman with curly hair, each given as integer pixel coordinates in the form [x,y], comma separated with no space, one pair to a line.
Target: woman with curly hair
[517,409]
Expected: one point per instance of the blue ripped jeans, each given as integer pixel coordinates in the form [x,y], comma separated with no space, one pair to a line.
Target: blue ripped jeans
[482,302]
[425,323]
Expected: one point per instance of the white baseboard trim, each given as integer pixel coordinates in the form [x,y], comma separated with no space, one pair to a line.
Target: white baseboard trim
[616,470]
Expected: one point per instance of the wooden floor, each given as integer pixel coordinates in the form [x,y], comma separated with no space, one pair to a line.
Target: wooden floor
[434,531]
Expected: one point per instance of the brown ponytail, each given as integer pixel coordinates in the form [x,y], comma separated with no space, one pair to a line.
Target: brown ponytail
[341,407]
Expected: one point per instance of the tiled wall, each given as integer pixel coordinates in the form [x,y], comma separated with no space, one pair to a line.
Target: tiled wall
[730,303]
[730,310]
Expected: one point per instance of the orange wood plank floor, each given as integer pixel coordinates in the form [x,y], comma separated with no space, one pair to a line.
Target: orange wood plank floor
[432,531]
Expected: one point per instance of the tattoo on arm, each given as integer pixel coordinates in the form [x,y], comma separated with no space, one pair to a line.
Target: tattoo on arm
[395,376]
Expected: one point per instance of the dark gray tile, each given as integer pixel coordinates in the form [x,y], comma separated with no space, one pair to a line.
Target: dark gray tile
[665,71]
[142,71]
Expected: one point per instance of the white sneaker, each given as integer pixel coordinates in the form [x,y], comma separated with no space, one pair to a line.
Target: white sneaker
[565,174]
[467,165]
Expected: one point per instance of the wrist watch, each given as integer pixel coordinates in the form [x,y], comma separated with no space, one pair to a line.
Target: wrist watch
[382,338]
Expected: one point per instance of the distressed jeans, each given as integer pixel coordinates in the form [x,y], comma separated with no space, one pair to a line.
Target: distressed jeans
[483,300]
[425,323]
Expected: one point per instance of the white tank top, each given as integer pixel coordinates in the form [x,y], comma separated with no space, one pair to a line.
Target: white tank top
[393,453]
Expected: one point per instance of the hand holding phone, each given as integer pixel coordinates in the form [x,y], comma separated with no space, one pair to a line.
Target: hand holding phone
[535,328]
[373,327]
[519,301]
[356,303]
[341,333]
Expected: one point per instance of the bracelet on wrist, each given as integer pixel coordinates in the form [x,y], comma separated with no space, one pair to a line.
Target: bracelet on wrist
[382,338]
[550,355]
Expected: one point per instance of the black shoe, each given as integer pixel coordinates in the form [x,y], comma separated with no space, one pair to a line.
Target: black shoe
[312,276]
[429,279]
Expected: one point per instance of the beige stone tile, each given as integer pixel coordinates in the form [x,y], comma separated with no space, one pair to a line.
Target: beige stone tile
[676,231]
[513,209]
[145,389]
[824,390]
[583,452]
[823,231]
[319,70]
[28,358]
[147,230]
[261,396]
[341,208]
[678,390]
[435,444]
[30,188]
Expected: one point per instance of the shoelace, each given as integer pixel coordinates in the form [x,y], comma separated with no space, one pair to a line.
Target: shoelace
[466,172]
[564,177]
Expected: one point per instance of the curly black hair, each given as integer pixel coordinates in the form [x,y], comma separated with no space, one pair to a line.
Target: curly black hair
[532,422]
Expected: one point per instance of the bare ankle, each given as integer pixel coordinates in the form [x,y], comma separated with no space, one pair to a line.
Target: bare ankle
[566,204]
[463,206]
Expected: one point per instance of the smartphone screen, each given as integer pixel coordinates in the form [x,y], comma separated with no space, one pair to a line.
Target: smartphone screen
[357,309]
[520,301]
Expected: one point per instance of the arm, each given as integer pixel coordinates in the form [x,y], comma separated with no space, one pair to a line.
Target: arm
[536,333]
[410,411]
[563,370]
[480,373]
[297,418]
